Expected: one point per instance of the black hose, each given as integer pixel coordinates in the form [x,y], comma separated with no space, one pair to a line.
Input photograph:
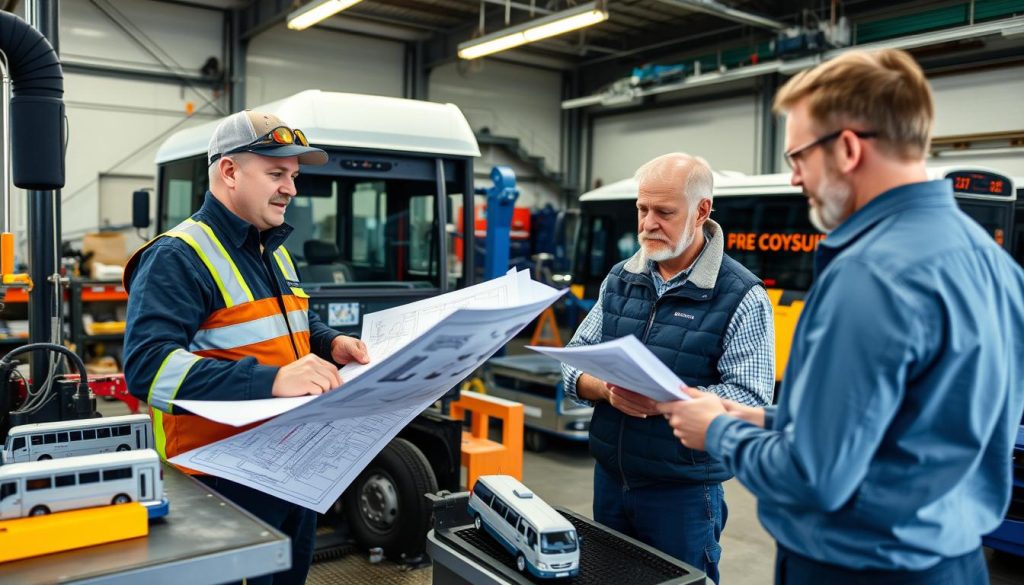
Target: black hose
[83,378]
[37,106]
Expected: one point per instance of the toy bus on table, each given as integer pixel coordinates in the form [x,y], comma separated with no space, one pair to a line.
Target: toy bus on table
[54,440]
[38,488]
[543,541]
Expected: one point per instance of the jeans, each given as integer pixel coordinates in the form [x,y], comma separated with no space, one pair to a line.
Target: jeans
[295,521]
[683,520]
[793,569]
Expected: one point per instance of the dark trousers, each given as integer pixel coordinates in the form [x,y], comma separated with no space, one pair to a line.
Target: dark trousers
[793,569]
[681,520]
[295,521]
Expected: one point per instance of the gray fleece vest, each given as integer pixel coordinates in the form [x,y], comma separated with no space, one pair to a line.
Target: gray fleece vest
[685,328]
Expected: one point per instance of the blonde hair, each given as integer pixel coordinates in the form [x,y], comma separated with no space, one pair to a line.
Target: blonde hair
[884,91]
[700,181]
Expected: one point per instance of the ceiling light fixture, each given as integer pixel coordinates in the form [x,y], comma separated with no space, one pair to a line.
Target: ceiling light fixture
[316,11]
[542,28]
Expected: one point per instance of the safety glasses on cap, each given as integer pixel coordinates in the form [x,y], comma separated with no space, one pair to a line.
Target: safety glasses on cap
[281,135]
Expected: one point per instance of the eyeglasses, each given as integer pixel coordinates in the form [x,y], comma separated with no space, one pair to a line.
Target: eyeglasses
[794,155]
[281,135]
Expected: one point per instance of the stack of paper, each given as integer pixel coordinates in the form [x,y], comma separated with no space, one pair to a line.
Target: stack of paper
[315,446]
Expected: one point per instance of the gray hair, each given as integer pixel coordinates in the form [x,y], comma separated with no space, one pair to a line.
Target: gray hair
[700,181]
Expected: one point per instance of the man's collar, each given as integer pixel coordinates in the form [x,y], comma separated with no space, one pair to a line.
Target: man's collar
[704,272]
[915,195]
[237,229]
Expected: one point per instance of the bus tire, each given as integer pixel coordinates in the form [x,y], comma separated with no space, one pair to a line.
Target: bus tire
[123,447]
[521,563]
[39,511]
[121,499]
[44,458]
[477,522]
[535,441]
[385,506]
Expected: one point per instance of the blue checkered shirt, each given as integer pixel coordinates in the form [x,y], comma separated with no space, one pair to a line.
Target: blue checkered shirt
[747,366]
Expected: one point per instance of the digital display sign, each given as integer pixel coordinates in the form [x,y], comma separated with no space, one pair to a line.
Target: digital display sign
[981,183]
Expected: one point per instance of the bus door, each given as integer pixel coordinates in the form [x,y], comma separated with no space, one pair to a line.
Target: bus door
[989,199]
[146,489]
[10,500]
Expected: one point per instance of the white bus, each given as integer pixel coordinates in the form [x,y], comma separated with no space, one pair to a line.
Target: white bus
[544,542]
[41,487]
[53,440]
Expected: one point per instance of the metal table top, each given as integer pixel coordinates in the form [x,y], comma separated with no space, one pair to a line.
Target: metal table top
[203,539]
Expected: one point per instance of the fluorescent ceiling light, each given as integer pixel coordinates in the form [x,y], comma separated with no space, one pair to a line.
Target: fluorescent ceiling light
[316,11]
[534,30]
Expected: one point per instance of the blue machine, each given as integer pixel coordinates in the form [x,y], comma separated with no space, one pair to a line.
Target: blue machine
[501,201]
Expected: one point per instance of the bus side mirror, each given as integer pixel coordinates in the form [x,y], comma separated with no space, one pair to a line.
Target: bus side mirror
[140,209]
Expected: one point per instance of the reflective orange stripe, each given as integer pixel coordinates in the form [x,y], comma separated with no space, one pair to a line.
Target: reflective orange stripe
[254,310]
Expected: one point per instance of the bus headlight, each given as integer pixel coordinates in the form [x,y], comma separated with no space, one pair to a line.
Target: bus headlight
[542,566]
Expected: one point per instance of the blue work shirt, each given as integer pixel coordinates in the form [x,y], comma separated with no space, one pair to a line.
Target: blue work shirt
[891,445]
[172,293]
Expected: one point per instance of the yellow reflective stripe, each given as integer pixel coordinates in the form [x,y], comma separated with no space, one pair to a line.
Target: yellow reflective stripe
[169,377]
[299,293]
[158,433]
[288,271]
[231,336]
[288,257]
[220,247]
[202,256]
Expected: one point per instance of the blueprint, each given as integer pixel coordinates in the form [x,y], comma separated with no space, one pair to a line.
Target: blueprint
[313,449]
[625,362]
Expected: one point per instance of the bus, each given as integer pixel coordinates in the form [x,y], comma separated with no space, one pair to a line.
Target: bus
[37,488]
[767,229]
[543,541]
[53,440]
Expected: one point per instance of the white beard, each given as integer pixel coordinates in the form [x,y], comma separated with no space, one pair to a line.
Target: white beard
[833,199]
[662,254]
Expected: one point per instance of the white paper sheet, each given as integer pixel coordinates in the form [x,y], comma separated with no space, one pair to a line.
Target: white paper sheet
[625,362]
[311,452]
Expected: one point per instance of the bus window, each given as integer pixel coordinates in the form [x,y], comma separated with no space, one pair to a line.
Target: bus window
[62,437]
[19,443]
[119,473]
[50,438]
[993,217]
[76,435]
[484,493]
[557,542]
[39,483]
[531,537]
[772,236]
[37,439]
[103,433]
[512,517]
[7,490]
[89,477]
[89,434]
[123,430]
[64,480]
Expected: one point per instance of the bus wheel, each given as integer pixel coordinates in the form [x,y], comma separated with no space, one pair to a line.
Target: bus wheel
[123,447]
[385,506]
[44,458]
[521,563]
[535,441]
[121,499]
[39,511]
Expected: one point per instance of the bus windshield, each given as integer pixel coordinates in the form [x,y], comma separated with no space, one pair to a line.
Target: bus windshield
[558,542]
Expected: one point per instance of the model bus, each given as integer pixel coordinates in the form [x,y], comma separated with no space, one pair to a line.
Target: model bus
[542,540]
[53,440]
[767,229]
[41,487]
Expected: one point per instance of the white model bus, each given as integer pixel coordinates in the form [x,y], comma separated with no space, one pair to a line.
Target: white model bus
[544,542]
[53,440]
[41,487]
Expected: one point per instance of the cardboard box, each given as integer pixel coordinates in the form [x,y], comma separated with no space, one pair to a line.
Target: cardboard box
[106,247]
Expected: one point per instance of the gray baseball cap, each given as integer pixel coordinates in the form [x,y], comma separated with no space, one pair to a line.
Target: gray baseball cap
[244,131]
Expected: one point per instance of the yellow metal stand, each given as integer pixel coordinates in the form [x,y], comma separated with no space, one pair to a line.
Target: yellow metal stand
[40,535]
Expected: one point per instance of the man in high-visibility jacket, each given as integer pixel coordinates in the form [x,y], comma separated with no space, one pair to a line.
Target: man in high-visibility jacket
[216,311]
